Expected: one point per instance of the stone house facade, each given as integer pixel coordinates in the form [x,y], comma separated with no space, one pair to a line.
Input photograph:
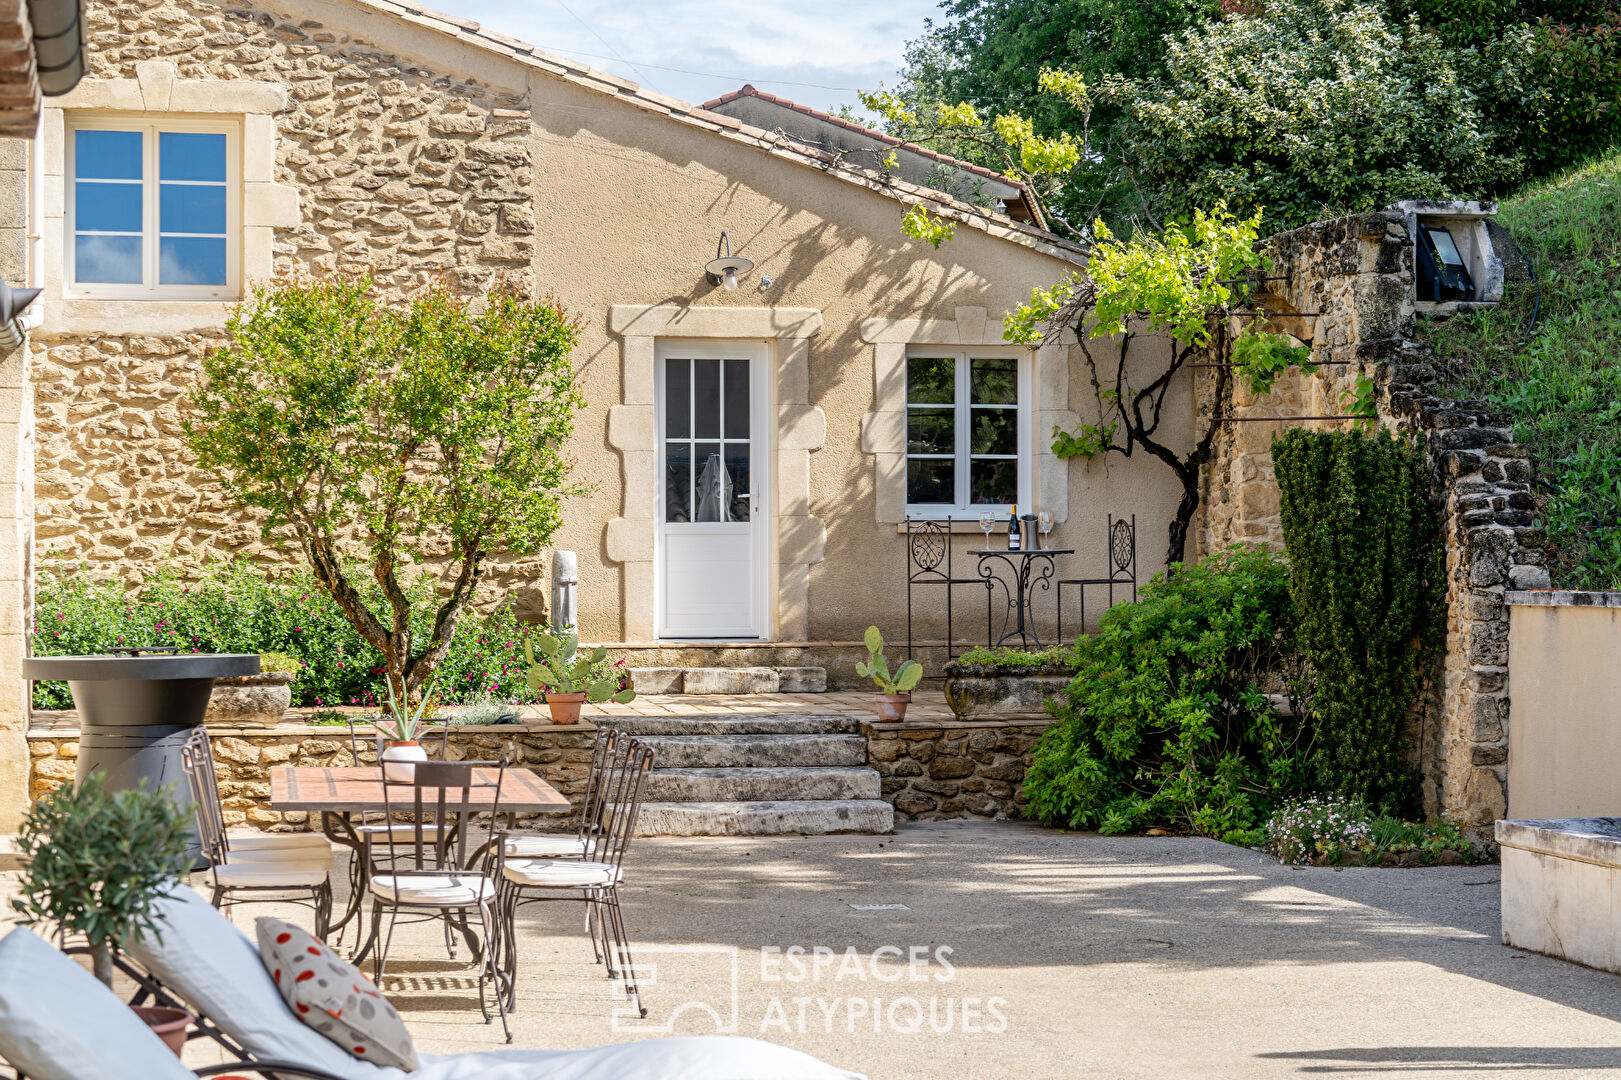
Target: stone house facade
[375,135]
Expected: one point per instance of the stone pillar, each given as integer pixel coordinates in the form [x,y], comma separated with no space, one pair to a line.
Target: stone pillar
[16,497]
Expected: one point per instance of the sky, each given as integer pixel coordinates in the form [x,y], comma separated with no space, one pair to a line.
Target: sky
[839,46]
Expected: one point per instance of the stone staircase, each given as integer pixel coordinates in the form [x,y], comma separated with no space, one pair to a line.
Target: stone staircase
[727,775]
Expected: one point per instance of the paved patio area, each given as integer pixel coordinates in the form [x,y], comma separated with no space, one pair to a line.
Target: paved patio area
[1071,955]
[926,705]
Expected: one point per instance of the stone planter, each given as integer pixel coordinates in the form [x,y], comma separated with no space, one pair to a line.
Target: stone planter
[986,692]
[251,699]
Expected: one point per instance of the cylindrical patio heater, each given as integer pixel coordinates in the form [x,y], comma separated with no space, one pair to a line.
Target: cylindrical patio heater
[136,711]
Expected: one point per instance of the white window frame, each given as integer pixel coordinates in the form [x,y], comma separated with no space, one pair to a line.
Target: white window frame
[962,509]
[151,125]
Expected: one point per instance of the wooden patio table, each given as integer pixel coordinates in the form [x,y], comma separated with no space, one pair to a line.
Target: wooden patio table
[338,792]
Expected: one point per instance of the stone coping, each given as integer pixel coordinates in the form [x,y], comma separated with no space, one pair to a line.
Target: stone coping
[1589,840]
[1000,721]
[1561,598]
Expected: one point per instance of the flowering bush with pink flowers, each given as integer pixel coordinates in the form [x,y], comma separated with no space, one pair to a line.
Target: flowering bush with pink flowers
[239,606]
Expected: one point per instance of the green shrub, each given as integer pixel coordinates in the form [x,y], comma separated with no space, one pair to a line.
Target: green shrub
[1165,722]
[238,607]
[1054,656]
[1366,579]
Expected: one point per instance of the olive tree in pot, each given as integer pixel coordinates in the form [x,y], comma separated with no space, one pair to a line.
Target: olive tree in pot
[895,691]
[94,862]
[385,431]
[568,679]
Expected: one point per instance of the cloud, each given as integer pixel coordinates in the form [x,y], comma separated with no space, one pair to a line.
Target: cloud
[836,45]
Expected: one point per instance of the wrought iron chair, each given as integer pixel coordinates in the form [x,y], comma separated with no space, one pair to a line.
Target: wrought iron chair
[1121,551]
[286,876]
[564,845]
[430,871]
[928,563]
[205,789]
[594,880]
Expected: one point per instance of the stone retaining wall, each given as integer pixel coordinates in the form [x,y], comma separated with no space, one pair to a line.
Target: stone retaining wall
[960,769]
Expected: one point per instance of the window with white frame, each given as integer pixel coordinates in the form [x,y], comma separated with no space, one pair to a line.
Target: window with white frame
[153,208]
[967,419]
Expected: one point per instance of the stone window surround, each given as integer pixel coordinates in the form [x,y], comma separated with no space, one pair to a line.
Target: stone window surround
[266,205]
[801,538]
[883,431]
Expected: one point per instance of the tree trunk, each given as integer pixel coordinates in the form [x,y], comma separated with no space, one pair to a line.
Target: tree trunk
[101,962]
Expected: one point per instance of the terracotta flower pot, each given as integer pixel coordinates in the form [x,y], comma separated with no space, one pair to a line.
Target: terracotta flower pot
[167,1024]
[565,707]
[892,707]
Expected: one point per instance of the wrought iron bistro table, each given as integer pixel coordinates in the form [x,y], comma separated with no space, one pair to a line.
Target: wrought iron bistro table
[341,791]
[1029,568]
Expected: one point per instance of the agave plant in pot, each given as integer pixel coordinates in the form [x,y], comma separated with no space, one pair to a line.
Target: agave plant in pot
[400,728]
[94,862]
[569,678]
[894,691]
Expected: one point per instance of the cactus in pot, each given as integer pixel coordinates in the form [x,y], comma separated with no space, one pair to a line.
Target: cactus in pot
[895,691]
[568,677]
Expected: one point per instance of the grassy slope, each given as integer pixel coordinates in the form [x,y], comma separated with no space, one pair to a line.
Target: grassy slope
[1562,386]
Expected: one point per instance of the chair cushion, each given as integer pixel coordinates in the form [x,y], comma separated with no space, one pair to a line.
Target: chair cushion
[302,842]
[544,847]
[331,995]
[209,963]
[58,1022]
[709,1057]
[287,871]
[433,890]
[552,874]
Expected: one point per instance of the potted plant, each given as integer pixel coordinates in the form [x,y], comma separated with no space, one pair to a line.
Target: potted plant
[255,699]
[568,679]
[984,683]
[400,726]
[94,862]
[895,691]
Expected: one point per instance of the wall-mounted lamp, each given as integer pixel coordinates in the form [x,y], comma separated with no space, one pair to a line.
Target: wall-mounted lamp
[12,303]
[724,270]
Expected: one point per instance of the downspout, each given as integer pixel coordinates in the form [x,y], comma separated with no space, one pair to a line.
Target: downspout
[58,27]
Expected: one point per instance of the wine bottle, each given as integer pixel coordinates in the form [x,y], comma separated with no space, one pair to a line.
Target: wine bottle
[1013,528]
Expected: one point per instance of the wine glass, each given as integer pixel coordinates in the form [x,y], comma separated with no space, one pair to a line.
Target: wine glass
[986,521]
[1045,520]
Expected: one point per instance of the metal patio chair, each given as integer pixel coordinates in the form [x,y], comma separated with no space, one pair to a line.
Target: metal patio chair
[206,789]
[594,881]
[430,873]
[928,564]
[248,875]
[1120,543]
[578,845]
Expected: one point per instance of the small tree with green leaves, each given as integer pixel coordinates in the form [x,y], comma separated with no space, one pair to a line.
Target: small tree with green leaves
[96,860]
[382,433]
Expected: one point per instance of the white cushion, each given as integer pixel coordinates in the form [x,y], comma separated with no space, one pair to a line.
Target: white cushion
[211,965]
[440,890]
[303,842]
[710,1057]
[283,872]
[544,847]
[401,831]
[58,1022]
[552,874]
[333,997]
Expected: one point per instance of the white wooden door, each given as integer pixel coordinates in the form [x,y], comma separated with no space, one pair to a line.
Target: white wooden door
[713,471]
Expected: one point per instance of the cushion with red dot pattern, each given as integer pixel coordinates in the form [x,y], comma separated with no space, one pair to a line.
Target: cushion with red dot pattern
[331,995]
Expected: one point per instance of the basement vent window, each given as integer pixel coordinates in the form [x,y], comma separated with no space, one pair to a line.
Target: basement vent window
[1442,272]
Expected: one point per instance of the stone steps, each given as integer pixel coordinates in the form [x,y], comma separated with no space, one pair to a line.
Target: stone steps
[730,775]
[761,784]
[757,751]
[728,680]
[808,817]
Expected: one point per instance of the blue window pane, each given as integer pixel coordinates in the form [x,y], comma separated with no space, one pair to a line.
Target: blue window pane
[191,208]
[107,155]
[107,207]
[190,156]
[191,261]
[110,260]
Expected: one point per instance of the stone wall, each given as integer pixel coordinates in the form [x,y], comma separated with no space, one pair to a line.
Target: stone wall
[411,173]
[933,771]
[244,756]
[1358,272]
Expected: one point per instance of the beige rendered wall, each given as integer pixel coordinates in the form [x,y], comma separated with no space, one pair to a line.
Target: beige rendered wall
[1564,737]
[16,501]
